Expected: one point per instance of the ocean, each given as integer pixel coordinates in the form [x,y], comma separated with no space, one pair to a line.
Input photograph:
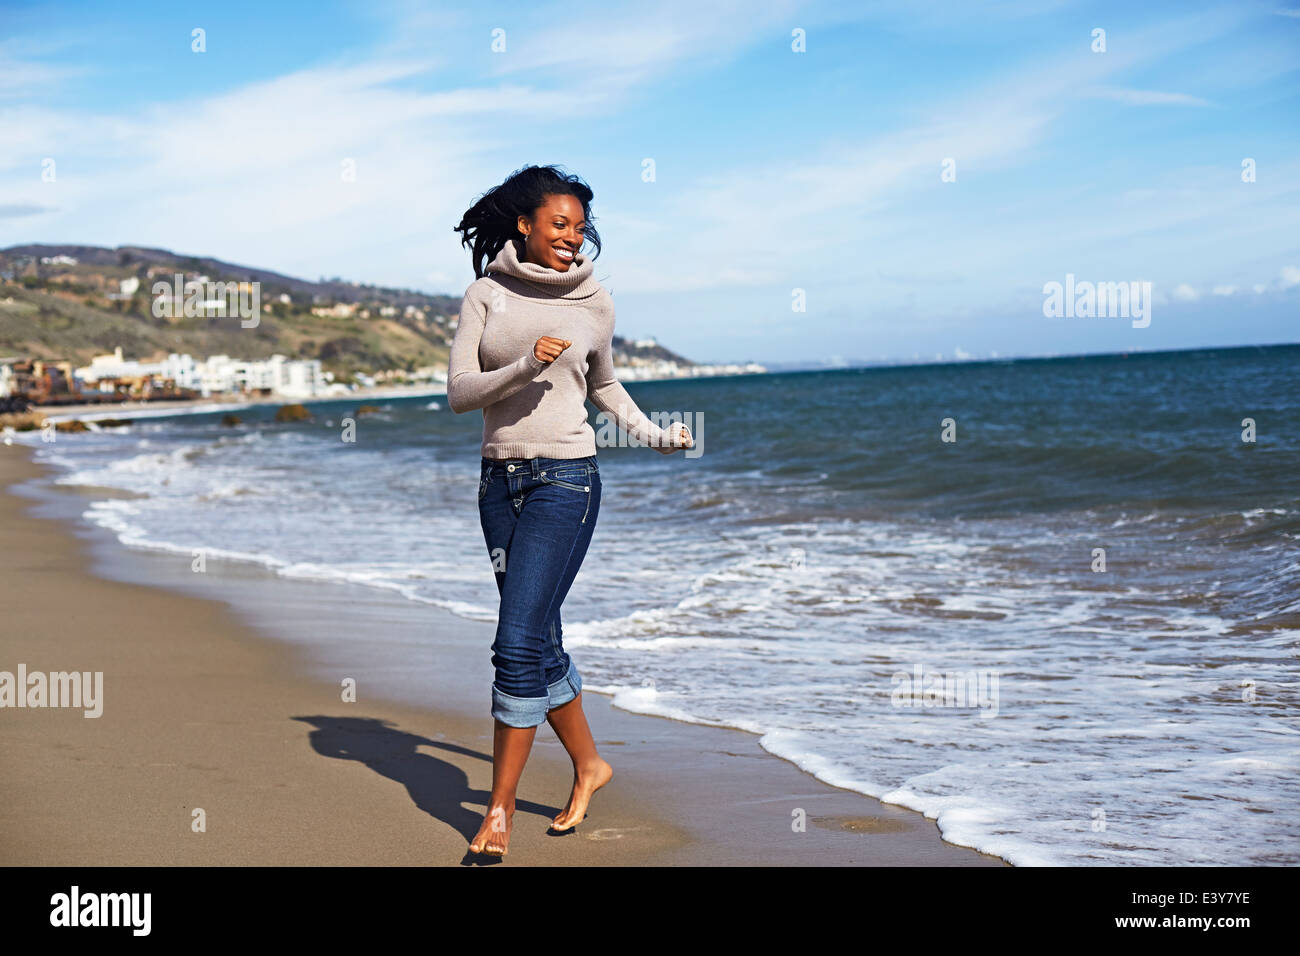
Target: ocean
[1069,634]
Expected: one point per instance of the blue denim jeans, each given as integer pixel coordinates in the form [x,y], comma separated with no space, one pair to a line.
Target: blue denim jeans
[537,516]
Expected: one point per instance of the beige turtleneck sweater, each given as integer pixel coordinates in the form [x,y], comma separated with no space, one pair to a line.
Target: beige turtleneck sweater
[533,408]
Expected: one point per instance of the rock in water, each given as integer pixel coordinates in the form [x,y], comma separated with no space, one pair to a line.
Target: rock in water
[292,413]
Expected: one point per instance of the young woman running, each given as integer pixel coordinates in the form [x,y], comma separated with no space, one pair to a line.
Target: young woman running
[534,342]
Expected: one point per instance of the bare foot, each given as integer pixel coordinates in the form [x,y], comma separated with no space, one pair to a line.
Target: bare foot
[586,781]
[493,837]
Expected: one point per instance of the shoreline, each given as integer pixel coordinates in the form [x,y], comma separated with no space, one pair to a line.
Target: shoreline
[225,403]
[204,708]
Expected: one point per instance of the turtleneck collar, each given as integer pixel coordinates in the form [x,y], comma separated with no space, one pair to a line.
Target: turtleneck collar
[575,283]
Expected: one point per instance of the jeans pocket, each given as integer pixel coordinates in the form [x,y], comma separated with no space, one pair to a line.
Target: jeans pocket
[577,477]
[483,484]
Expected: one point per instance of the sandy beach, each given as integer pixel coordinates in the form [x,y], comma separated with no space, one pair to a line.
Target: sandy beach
[202,710]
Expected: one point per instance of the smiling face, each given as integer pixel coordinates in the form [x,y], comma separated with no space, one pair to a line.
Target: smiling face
[554,235]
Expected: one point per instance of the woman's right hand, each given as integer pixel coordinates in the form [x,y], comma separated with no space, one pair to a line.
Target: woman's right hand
[548,348]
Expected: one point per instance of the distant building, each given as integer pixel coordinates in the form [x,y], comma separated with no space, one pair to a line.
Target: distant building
[339,310]
[126,288]
[278,375]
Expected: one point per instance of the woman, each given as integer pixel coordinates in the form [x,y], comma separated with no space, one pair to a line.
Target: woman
[533,343]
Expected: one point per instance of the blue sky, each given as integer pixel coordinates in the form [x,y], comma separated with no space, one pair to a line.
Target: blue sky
[774,170]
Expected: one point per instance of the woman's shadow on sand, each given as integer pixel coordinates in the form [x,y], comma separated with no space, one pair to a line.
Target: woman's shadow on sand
[437,787]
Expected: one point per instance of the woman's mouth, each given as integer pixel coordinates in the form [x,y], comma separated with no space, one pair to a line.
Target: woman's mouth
[563,254]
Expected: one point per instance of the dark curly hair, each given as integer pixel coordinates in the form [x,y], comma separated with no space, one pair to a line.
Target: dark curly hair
[492,221]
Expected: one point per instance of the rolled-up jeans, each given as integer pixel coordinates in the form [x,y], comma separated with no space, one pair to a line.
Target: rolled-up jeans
[537,516]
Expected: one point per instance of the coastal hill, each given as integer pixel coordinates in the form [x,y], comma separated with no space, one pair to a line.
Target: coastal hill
[70,302]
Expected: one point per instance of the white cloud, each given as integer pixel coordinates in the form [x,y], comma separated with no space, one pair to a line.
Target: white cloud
[1290,276]
[1148,97]
[1224,289]
[22,73]
[1186,293]
[234,175]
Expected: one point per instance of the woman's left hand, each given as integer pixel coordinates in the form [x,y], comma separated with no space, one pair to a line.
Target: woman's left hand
[679,436]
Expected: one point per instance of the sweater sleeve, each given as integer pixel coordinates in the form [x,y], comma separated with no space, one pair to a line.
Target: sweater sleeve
[608,394]
[468,386]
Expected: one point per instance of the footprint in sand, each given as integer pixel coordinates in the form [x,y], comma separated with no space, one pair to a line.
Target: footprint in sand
[612,833]
[860,824]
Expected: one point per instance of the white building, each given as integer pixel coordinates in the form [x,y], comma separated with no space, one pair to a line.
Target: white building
[280,375]
[182,369]
[299,378]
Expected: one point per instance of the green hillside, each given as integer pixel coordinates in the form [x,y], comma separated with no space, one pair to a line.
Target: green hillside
[57,310]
